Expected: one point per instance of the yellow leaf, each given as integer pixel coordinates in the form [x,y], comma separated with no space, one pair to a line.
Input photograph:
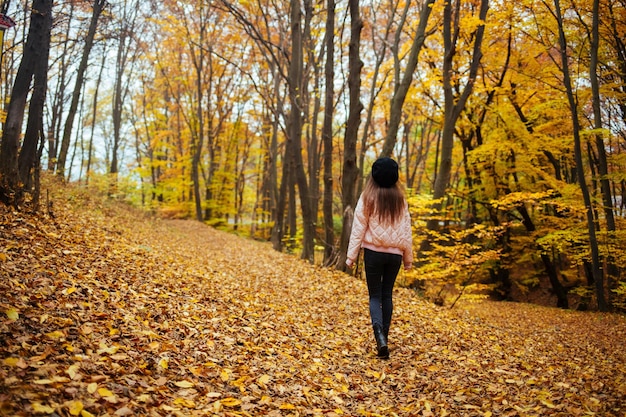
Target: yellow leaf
[43,409]
[143,398]
[85,413]
[287,406]
[3,257]
[91,388]
[11,361]
[103,392]
[185,402]
[184,384]
[230,402]
[163,363]
[57,334]
[43,381]
[76,407]
[72,371]
[68,291]
[225,375]
[12,314]
[264,379]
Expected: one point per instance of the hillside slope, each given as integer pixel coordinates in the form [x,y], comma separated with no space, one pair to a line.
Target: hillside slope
[106,311]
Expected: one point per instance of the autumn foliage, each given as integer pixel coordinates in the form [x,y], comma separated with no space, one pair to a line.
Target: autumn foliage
[108,311]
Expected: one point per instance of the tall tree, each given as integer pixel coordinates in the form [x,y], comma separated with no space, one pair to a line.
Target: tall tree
[453,103]
[350,169]
[98,7]
[401,90]
[327,133]
[34,63]
[34,134]
[580,169]
[294,129]
[58,92]
[603,167]
[127,20]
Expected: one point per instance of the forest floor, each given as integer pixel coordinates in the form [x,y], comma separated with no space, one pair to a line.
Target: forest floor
[108,311]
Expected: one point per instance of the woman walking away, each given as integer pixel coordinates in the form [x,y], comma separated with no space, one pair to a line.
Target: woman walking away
[382,227]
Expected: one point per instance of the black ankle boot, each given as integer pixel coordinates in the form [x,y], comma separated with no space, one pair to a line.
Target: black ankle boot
[381,342]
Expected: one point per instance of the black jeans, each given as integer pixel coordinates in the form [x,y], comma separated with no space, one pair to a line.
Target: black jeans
[381,270]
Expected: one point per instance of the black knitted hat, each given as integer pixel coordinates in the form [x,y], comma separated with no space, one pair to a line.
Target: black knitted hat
[385,172]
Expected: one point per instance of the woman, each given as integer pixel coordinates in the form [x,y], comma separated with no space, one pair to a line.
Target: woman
[382,227]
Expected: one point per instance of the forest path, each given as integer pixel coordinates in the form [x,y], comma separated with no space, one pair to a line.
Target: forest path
[106,311]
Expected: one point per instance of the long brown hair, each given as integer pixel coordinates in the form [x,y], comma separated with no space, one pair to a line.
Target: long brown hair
[387,203]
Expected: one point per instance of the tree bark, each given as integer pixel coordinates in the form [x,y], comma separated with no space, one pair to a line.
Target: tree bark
[98,7]
[402,89]
[34,52]
[593,242]
[327,134]
[605,185]
[350,169]
[454,105]
[295,129]
[29,154]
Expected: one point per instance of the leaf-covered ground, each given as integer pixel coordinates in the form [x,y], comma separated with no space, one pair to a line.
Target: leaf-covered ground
[105,311]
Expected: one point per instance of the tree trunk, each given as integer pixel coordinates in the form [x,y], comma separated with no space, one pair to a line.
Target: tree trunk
[295,130]
[276,194]
[453,105]
[98,6]
[605,186]
[593,242]
[34,52]
[56,109]
[29,154]
[197,137]
[402,89]
[327,135]
[126,31]
[350,169]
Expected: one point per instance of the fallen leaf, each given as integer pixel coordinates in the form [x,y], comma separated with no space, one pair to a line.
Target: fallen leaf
[230,402]
[42,409]
[103,392]
[185,402]
[75,408]
[57,334]
[12,314]
[72,371]
[43,381]
[124,411]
